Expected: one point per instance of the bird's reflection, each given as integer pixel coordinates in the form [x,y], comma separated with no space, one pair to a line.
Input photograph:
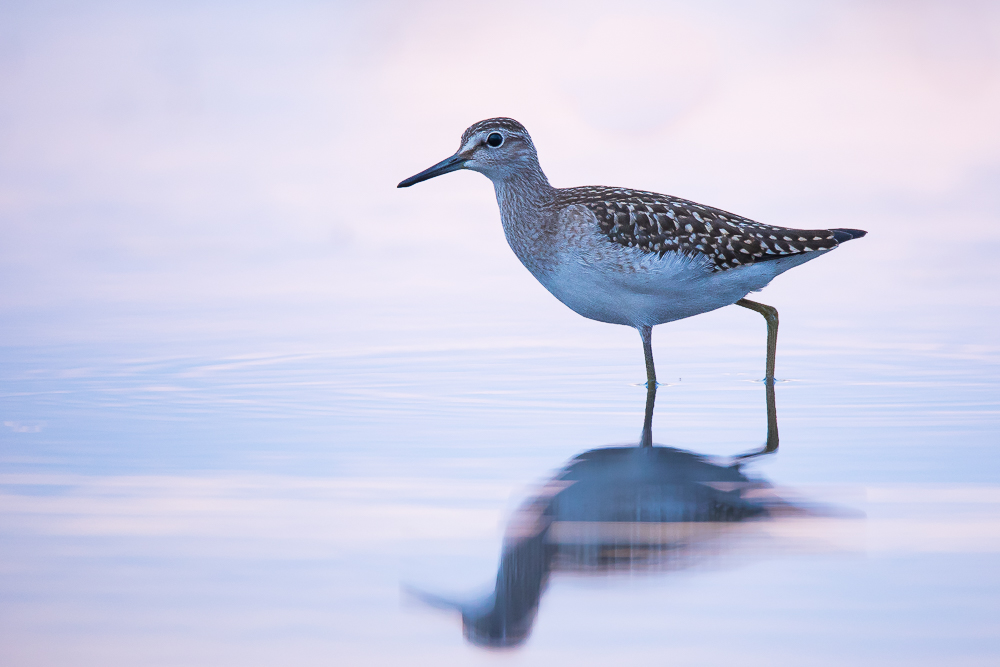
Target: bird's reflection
[619,508]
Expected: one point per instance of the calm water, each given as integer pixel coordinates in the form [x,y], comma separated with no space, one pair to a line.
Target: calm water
[268,508]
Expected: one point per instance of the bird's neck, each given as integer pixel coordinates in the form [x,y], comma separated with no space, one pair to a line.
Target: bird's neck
[524,197]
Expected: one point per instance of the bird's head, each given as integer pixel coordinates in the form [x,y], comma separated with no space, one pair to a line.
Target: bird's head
[497,148]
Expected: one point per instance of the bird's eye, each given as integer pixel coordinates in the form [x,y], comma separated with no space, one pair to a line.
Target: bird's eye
[494,140]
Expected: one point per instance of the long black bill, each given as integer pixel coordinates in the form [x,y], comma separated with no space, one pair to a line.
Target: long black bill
[454,163]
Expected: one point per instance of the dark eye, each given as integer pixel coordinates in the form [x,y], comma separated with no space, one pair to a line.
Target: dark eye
[494,140]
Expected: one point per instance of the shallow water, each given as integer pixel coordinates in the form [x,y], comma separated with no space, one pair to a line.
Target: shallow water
[254,509]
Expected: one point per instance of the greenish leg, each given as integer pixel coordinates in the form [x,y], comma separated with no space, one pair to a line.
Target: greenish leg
[771,315]
[646,333]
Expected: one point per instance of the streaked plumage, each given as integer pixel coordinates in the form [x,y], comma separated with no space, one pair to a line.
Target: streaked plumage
[661,223]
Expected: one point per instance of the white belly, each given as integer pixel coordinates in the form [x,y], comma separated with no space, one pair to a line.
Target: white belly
[636,288]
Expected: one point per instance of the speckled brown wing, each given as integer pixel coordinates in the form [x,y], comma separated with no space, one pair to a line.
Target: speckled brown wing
[659,224]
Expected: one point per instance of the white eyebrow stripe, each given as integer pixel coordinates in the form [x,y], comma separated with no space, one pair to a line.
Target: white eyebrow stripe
[473,141]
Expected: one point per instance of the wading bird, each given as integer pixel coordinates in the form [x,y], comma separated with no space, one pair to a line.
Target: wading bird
[628,256]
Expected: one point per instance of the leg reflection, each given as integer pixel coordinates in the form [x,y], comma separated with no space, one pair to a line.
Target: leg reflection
[771,445]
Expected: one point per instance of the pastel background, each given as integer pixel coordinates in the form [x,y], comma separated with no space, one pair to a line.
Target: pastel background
[249,388]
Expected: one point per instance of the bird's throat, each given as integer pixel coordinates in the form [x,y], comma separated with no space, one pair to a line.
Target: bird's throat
[528,219]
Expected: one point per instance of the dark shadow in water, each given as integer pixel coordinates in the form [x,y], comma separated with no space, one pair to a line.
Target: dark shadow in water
[618,508]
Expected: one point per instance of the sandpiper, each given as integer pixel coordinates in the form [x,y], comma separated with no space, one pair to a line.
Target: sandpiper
[628,256]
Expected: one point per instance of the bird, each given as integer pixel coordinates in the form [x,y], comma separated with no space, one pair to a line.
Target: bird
[626,256]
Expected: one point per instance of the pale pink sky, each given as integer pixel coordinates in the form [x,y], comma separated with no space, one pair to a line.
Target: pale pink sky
[160,164]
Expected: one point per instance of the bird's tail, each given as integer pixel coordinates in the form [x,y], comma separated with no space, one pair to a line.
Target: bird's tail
[847,234]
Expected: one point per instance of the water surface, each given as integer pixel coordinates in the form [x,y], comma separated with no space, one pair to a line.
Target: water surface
[253,509]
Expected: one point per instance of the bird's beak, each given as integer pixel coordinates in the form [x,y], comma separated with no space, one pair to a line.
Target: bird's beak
[454,163]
